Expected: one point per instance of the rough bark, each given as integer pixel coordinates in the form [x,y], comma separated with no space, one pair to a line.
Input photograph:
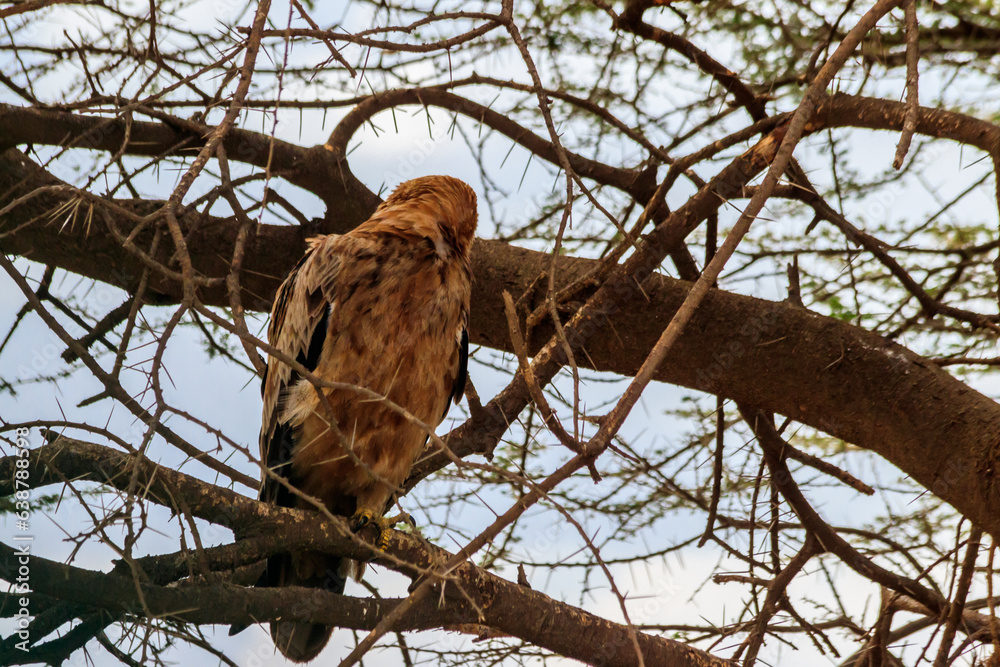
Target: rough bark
[504,606]
[822,372]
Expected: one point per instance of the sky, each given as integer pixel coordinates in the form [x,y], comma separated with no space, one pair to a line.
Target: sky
[677,589]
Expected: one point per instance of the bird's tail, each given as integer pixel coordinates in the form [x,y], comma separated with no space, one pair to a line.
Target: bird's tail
[301,641]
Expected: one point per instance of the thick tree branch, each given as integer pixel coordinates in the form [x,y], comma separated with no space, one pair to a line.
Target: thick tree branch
[315,169]
[842,110]
[634,181]
[838,378]
[503,605]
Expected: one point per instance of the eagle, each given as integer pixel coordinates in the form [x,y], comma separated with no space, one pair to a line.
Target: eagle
[383,308]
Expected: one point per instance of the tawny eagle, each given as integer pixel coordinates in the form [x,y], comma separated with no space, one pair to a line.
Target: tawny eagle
[384,307]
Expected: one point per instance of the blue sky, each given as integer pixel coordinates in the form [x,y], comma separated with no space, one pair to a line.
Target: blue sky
[676,589]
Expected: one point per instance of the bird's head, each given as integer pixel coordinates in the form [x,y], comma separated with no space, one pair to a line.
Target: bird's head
[440,208]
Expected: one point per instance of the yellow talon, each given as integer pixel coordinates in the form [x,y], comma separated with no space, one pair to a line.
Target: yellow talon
[364,518]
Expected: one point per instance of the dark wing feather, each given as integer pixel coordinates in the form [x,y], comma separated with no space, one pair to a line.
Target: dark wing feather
[458,385]
[296,331]
[298,328]
[282,441]
[310,357]
[458,389]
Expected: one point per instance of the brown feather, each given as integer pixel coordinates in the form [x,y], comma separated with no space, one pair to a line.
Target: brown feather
[394,296]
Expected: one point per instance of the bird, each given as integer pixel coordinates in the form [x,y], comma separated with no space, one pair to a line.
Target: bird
[384,308]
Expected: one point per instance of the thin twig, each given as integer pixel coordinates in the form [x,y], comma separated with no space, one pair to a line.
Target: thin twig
[912,97]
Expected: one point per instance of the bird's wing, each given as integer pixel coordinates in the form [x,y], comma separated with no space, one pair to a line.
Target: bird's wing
[298,328]
[458,388]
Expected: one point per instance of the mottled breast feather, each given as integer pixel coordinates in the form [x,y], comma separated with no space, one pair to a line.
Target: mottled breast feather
[384,307]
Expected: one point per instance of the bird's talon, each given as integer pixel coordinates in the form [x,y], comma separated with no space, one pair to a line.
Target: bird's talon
[364,518]
[361,519]
[383,538]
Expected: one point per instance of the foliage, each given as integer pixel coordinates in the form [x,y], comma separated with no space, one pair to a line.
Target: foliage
[587,128]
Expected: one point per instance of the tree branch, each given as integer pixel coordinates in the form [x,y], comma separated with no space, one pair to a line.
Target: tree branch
[495,602]
[835,377]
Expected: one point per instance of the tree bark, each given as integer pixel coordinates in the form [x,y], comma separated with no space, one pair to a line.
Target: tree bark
[498,604]
[822,372]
